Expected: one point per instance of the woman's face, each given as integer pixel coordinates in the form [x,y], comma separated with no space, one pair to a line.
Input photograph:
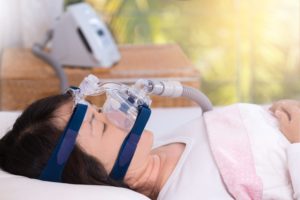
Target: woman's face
[101,139]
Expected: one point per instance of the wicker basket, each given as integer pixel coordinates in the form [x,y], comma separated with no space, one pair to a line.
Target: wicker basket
[25,78]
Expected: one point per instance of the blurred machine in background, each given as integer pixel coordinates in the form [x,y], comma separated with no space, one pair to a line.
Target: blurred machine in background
[79,38]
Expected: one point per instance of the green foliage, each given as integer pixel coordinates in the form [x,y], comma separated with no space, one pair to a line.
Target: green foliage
[69,2]
[247,51]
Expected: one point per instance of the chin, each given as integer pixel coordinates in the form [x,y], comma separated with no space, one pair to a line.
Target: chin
[147,137]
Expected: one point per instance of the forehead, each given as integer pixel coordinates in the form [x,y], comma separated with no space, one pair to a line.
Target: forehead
[64,113]
[65,110]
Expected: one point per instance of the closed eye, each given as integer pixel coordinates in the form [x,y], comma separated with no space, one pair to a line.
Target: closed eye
[92,118]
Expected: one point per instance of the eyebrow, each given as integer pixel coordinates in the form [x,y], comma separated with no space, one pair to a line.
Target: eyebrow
[104,127]
[104,124]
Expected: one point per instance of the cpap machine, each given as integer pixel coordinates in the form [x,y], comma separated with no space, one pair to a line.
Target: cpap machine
[78,38]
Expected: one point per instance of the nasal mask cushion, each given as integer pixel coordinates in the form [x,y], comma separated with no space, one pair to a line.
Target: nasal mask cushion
[119,111]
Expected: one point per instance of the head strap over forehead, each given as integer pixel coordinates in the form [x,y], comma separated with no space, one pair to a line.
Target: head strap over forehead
[59,157]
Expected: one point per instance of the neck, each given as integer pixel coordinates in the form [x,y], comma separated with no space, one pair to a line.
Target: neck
[149,179]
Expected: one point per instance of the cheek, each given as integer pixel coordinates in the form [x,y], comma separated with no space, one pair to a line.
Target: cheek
[109,147]
[89,140]
[88,145]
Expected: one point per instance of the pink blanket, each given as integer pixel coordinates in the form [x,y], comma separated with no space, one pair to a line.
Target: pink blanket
[231,148]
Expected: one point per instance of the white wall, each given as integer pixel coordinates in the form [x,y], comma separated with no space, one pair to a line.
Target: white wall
[23,22]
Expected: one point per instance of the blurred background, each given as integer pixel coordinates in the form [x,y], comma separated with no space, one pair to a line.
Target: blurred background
[245,50]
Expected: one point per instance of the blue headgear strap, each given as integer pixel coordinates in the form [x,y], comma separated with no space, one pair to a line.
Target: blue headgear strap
[130,143]
[64,147]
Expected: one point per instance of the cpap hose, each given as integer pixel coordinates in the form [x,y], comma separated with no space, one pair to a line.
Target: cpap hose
[197,96]
[38,50]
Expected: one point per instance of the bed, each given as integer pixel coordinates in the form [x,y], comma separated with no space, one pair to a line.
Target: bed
[16,187]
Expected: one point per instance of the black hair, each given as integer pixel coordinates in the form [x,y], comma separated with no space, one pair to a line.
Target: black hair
[26,148]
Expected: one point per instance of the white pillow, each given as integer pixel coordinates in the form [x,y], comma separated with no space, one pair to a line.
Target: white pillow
[7,119]
[14,187]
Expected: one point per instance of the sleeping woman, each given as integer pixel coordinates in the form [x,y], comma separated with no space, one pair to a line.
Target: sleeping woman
[241,151]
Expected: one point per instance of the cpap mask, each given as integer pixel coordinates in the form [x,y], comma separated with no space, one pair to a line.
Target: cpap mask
[122,101]
[127,107]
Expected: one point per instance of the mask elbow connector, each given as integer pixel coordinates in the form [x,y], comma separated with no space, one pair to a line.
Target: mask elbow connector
[171,89]
[165,88]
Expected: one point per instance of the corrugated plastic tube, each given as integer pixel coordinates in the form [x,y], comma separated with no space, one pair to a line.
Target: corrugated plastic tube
[38,50]
[197,96]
